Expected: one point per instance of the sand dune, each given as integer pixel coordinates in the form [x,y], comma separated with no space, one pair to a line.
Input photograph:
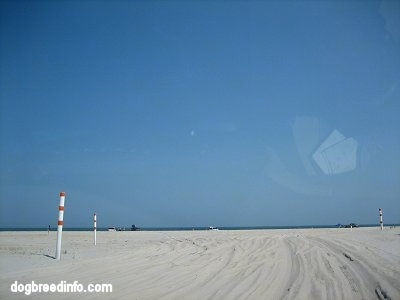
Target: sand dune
[260,264]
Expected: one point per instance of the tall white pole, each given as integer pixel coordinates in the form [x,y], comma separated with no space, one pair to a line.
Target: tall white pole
[60,225]
[380,218]
[95,228]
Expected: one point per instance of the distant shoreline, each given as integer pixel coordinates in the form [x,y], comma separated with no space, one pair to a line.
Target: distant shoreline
[188,228]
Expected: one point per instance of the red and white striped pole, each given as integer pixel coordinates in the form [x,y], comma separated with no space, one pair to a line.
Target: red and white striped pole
[380,218]
[60,225]
[95,228]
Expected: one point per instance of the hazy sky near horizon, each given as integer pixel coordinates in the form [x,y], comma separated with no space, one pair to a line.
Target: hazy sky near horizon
[198,113]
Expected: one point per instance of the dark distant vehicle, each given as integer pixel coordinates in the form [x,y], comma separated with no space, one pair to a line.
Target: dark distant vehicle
[351,225]
[134,228]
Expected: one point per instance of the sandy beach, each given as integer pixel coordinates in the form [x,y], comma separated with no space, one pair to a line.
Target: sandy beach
[362,263]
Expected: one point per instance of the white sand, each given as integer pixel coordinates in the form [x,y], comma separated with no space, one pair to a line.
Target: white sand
[261,264]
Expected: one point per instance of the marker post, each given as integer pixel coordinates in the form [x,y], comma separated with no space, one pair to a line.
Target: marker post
[60,225]
[95,228]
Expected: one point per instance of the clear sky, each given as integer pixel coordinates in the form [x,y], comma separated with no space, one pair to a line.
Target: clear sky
[198,113]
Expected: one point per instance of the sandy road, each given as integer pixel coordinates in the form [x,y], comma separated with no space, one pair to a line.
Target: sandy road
[259,264]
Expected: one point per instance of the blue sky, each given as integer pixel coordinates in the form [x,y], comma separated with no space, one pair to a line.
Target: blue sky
[197,113]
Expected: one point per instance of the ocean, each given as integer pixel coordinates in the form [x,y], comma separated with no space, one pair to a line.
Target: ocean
[186,228]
